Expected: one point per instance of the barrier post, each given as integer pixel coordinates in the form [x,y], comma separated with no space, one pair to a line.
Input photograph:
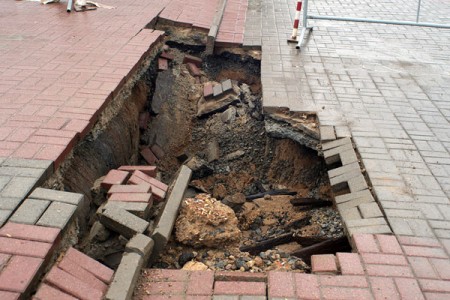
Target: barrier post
[296,22]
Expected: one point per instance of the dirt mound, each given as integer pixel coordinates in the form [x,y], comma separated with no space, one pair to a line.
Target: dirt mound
[204,221]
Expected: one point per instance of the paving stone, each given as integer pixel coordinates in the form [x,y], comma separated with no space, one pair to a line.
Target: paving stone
[350,263]
[148,170]
[355,195]
[323,264]
[217,90]
[131,197]
[163,229]
[227,86]
[59,196]
[307,286]
[122,188]
[200,283]
[348,157]
[4,215]
[114,177]
[21,172]
[140,209]
[46,291]
[343,169]
[355,203]
[163,64]
[193,70]
[125,277]
[366,243]
[344,281]
[152,181]
[58,215]
[351,213]
[18,187]
[370,210]
[142,245]
[19,273]
[281,284]
[208,90]
[30,232]
[327,133]
[408,288]
[239,276]
[339,182]
[374,229]
[71,285]
[9,203]
[332,156]
[357,184]
[24,247]
[192,59]
[28,163]
[239,288]
[336,143]
[30,211]
[123,222]
[102,272]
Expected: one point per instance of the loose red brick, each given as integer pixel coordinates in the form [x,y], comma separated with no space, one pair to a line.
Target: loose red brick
[440,286]
[365,243]
[148,170]
[114,177]
[148,155]
[166,287]
[388,271]
[154,182]
[324,264]
[384,288]
[79,272]
[163,64]
[207,90]
[193,70]
[128,188]
[100,271]
[389,244]
[442,266]
[4,295]
[307,286]
[158,151]
[408,288]
[239,288]
[158,194]
[46,292]
[281,284]
[23,247]
[343,281]
[192,59]
[72,285]
[29,232]
[384,259]
[19,272]
[422,267]
[131,197]
[424,252]
[200,283]
[339,293]
[144,118]
[165,275]
[167,55]
[239,276]
[419,241]
[350,263]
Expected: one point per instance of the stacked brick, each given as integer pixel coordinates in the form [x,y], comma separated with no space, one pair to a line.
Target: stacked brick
[353,197]
[131,192]
[214,91]
[76,276]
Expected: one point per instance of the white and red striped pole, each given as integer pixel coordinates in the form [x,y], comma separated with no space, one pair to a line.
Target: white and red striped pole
[296,20]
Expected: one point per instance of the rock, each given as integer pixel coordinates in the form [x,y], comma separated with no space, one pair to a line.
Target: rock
[97,192]
[234,155]
[235,201]
[163,90]
[229,115]
[204,221]
[220,191]
[185,257]
[213,151]
[199,167]
[219,104]
[195,266]
[99,232]
[258,261]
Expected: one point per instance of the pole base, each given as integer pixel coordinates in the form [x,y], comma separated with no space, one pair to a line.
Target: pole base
[292,39]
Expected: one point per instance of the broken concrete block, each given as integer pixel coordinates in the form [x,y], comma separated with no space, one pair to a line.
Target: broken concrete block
[148,155]
[192,59]
[149,170]
[114,177]
[123,222]
[142,245]
[166,222]
[139,209]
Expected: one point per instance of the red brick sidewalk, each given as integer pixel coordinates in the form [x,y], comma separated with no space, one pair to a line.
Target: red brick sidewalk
[383,268]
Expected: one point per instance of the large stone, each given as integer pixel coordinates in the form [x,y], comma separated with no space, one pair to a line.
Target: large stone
[204,221]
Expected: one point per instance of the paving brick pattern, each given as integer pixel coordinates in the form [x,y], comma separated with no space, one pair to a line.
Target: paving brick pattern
[365,79]
[231,30]
[383,267]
